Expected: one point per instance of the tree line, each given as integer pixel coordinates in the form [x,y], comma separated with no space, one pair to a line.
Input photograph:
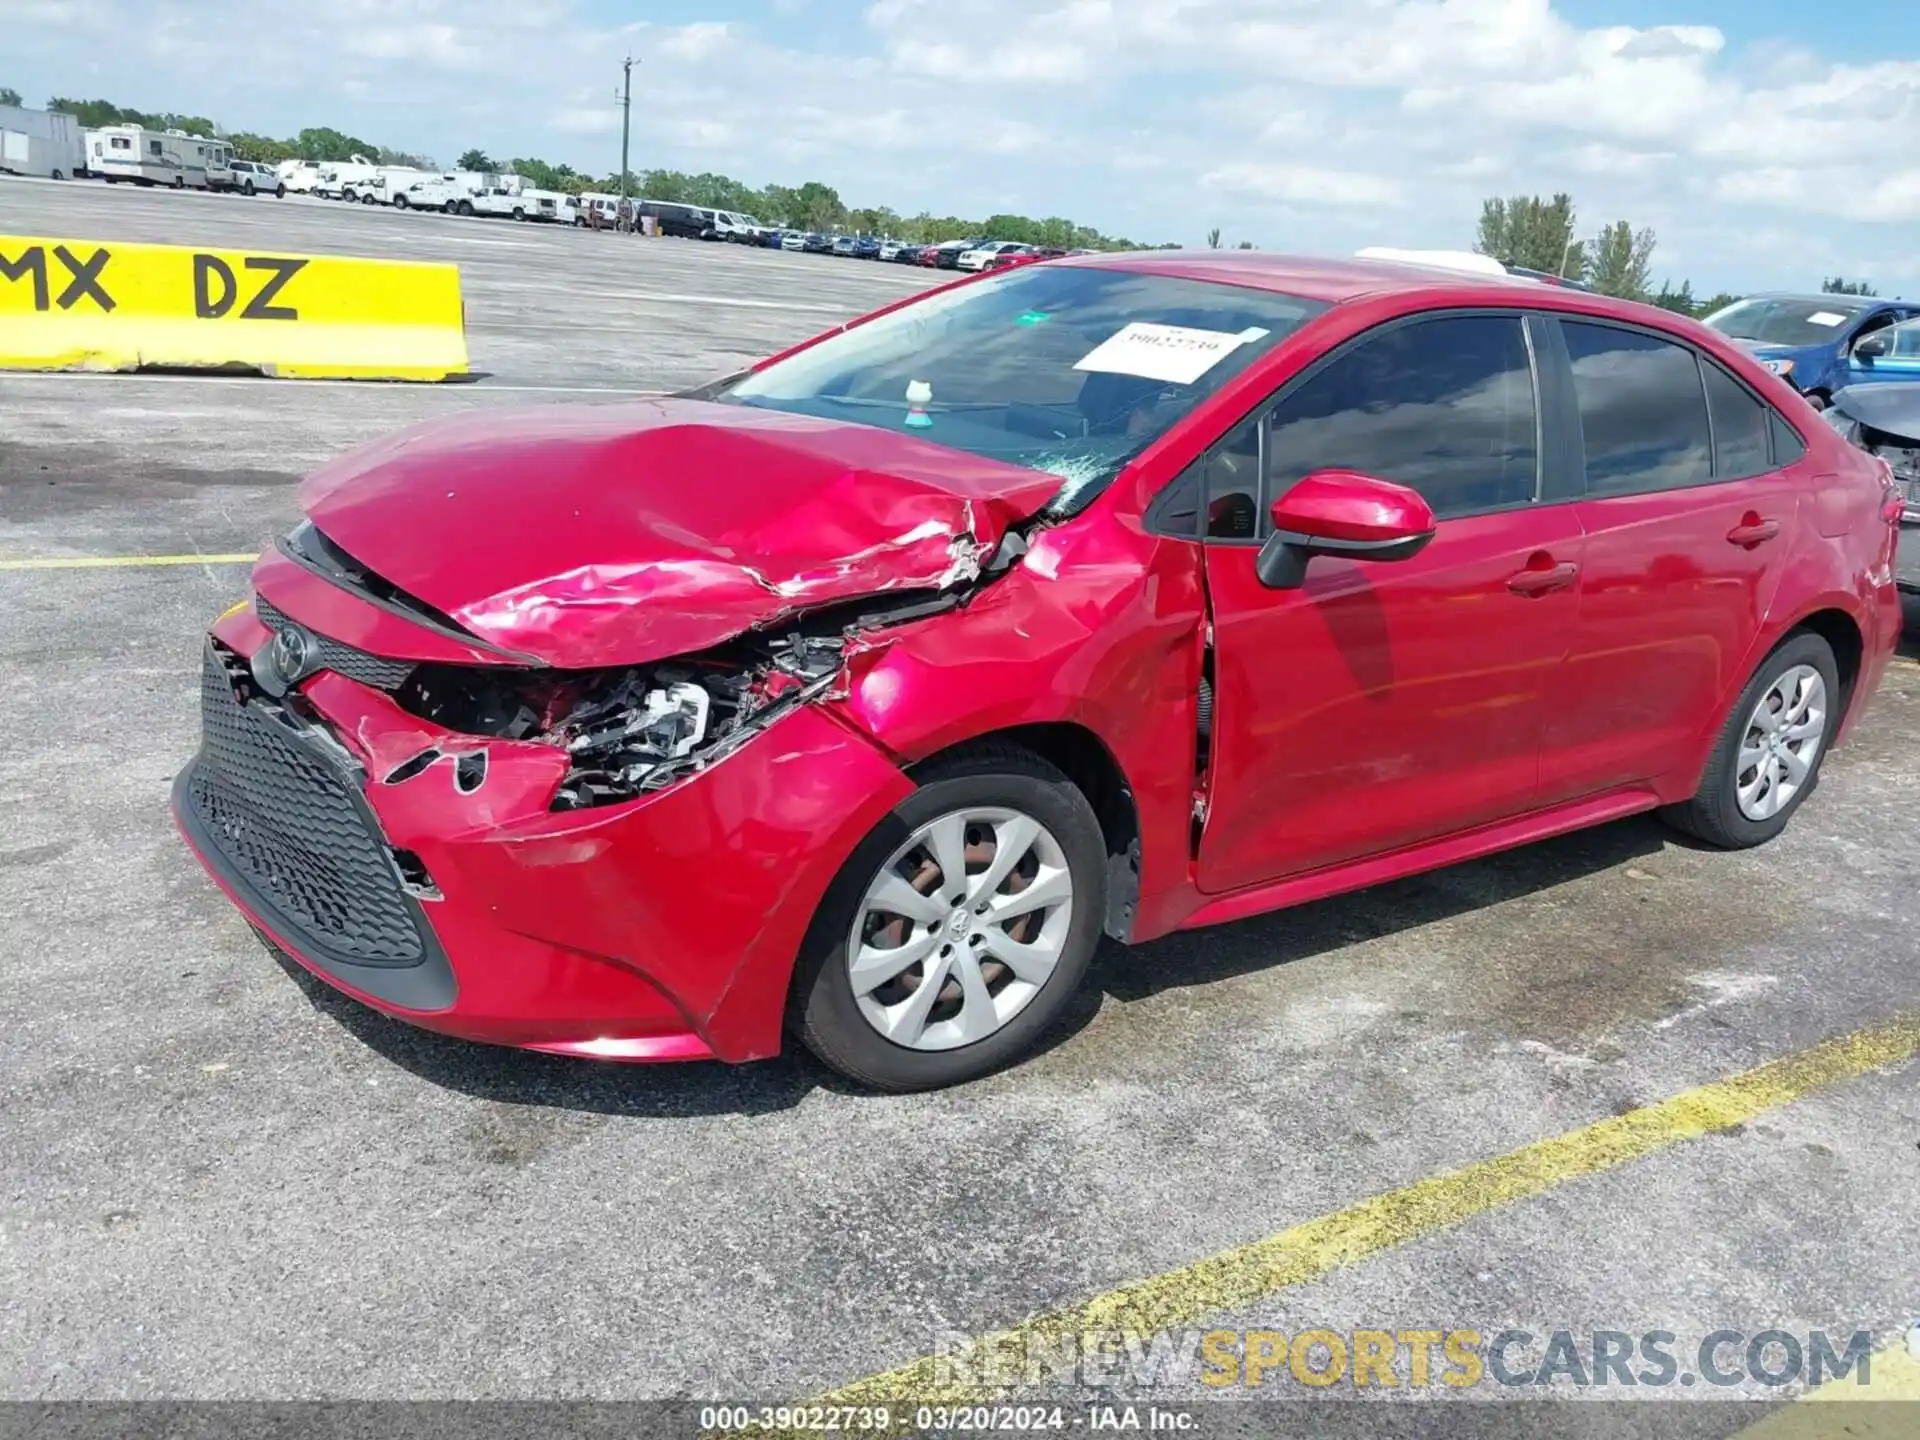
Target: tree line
[1539,234]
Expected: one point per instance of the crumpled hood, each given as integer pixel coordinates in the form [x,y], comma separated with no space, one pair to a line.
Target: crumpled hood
[592,535]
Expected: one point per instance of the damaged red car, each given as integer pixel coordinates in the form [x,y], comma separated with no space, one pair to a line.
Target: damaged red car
[857,696]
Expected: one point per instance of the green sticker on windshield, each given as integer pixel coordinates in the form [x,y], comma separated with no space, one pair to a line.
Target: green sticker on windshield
[1032,317]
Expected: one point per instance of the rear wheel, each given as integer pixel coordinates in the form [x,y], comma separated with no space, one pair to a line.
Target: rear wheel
[1767,759]
[1818,400]
[400,202]
[959,929]
[466,207]
[279,192]
[246,188]
[518,213]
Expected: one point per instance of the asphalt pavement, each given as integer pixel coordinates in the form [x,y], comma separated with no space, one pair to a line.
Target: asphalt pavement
[223,1181]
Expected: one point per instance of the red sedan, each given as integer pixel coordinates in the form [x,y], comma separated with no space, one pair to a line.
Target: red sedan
[861,695]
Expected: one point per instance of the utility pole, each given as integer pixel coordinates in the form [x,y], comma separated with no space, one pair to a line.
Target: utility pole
[626,120]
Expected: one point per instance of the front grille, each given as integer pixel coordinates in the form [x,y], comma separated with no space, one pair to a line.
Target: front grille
[341,659]
[289,824]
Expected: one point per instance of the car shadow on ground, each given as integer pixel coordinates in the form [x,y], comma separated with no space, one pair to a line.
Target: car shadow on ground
[1121,973]
[597,1087]
[1303,932]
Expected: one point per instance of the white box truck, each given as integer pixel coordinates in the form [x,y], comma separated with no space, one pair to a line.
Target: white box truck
[46,143]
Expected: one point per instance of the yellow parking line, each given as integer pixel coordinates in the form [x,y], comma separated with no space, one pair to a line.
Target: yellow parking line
[1251,1273]
[110,562]
[1895,1375]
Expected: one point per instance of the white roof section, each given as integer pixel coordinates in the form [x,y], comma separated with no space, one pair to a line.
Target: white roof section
[1464,260]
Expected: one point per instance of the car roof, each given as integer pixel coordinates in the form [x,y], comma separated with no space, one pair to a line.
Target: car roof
[1845,302]
[1334,281]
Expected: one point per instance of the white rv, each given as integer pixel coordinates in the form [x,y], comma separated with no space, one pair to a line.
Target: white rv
[215,158]
[148,157]
[47,143]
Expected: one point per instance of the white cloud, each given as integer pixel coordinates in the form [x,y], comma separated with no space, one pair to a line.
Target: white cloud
[1303,184]
[1317,124]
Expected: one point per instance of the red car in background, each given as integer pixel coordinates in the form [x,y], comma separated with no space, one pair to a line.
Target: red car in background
[861,694]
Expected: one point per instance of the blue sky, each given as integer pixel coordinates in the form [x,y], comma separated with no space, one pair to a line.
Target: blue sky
[1767,143]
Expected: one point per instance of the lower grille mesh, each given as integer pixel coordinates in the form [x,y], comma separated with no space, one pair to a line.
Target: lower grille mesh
[291,828]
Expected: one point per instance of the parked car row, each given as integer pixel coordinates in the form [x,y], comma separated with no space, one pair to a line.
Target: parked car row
[972,254]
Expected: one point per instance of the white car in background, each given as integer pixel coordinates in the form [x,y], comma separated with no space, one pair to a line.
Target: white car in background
[250,177]
[981,256]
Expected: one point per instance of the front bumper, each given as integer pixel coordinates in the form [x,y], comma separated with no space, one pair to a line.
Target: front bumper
[663,928]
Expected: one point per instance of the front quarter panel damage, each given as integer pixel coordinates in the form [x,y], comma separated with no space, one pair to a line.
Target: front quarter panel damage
[1097,626]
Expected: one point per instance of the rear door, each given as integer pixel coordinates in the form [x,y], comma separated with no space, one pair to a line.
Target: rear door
[1690,500]
[1383,704]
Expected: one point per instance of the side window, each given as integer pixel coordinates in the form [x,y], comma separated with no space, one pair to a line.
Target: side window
[1740,430]
[1445,406]
[153,147]
[1878,322]
[1787,444]
[1643,411]
[1232,474]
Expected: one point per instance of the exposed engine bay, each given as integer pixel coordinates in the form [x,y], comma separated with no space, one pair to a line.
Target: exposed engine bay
[632,730]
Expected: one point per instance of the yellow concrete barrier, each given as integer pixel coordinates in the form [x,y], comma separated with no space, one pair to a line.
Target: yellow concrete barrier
[104,305]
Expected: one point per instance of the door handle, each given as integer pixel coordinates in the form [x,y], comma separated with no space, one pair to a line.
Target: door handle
[1543,579]
[1752,530]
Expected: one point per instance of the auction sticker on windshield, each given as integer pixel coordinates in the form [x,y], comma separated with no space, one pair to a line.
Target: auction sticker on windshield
[1827,318]
[1176,354]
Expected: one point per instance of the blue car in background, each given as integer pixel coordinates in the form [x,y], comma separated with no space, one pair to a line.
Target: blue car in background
[1892,354]
[1809,339]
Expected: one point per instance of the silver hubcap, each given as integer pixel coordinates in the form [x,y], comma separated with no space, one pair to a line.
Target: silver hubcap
[961,928]
[1782,740]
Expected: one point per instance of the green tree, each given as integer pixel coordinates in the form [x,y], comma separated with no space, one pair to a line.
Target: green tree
[1213,238]
[819,205]
[1621,258]
[9,95]
[1717,302]
[263,148]
[1245,245]
[1538,234]
[325,143]
[475,160]
[1680,301]
[1838,286]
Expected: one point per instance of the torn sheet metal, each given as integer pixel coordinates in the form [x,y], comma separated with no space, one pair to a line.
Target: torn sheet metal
[619,534]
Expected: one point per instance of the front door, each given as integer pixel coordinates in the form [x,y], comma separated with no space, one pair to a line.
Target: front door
[1383,704]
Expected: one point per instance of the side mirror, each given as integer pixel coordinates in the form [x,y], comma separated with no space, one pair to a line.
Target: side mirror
[1342,512]
[1870,348]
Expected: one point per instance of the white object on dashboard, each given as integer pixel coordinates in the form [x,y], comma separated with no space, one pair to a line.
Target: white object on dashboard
[1177,354]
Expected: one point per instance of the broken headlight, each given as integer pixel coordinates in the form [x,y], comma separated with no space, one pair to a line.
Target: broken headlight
[629,731]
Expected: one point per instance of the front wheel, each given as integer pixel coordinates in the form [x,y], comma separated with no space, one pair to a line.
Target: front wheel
[1767,759]
[466,207]
[959,929]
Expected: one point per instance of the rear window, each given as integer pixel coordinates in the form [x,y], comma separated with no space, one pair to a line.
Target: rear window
[1064,370]
[1643,411]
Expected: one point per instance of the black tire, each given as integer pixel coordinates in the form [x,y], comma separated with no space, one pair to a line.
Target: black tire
[400,202]
[824,1013]
[179,182]
[1713,814]
[279,192]
[368,198]
[466,207]
[519,214]
[57,176]
[247,189]
[1818,400]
